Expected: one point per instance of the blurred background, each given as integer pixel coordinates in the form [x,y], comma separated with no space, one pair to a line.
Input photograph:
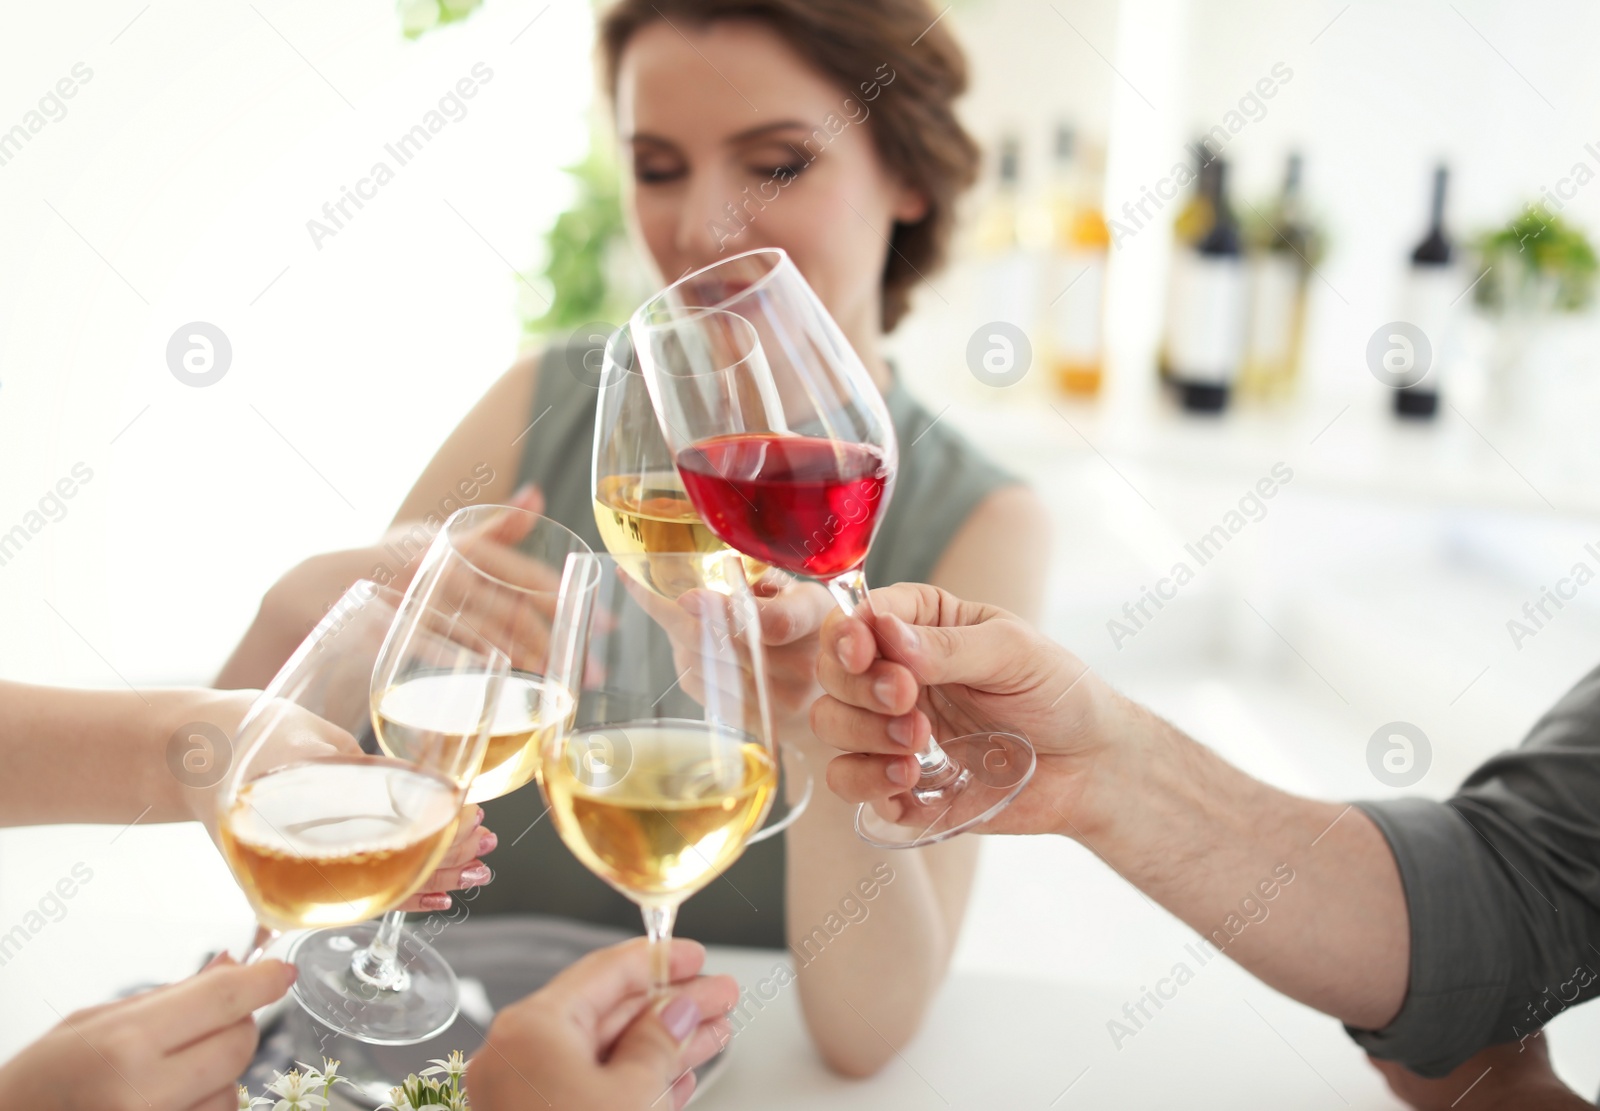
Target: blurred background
[1419,564]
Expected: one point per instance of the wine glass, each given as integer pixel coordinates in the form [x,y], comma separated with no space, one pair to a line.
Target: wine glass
[319,826]
[668,766]
[641,509]
[786,448]
[494,569]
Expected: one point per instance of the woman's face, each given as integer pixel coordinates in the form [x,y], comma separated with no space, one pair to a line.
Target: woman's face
[725,115]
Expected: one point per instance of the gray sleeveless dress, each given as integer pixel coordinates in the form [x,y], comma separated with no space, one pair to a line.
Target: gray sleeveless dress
[941,480]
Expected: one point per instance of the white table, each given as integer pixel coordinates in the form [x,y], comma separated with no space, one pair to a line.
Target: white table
[993,1042]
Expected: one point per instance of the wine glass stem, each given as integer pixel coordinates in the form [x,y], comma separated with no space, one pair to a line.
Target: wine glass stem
[265,936]
[938,770]
[378,963]
[658,928]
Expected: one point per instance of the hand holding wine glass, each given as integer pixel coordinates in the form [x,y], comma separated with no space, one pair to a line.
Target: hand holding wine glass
[989,666]
[332,815]
[786,448]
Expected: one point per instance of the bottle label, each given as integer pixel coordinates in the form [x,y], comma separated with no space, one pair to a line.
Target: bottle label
[1205,317]
[1431,300]
[1276,284]
[1075,318]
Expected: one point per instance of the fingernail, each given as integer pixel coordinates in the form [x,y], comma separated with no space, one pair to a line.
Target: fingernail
[475,876]
[436,902]
[883,691]
[900,773]
[899,730]
[477,819]
[487,840]
[680,1017]
[290,974]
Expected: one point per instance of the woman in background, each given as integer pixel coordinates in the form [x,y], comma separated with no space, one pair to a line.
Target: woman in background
[827,128]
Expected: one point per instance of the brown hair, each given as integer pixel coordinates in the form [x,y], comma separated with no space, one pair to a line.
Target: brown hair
[913,122]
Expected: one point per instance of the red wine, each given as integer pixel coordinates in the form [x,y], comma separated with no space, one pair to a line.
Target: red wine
[806,504]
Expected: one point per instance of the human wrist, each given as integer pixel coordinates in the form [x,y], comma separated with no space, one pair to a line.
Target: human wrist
[193,737]
[1122,744]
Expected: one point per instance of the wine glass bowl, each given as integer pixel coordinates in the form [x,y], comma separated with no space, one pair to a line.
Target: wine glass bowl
[499,568]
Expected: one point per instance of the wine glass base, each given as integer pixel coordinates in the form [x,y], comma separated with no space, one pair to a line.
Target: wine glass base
[999,766]
[422,1005]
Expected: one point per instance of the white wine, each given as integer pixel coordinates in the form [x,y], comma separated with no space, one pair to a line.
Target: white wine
[337,841]
[446,707]
[651,514]
[658,809]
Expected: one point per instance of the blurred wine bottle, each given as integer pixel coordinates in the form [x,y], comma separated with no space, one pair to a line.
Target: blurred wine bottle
[997,227]
[1206,302]
[1006,271]
[1432,288]
[1192,221]
[1280,264]
[1078,244]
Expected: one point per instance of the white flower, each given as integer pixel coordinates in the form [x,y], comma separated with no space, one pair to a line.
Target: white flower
[296,1092]
[455,1069]
[248,1104]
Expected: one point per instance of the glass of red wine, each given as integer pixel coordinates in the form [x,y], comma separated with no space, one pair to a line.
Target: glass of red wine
[786,449]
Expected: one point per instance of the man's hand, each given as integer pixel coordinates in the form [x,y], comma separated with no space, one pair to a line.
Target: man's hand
[948,667]
[591,1039]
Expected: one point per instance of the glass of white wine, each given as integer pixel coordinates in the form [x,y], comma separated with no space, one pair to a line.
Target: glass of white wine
[640,505]
[494,569]
[667,765]
[322,826]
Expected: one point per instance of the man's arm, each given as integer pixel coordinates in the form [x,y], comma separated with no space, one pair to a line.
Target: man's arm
[1435,929]
[1303,893]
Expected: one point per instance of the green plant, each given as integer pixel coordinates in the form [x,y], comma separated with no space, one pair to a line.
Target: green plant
[579,247]
[420,16]
[1539,259]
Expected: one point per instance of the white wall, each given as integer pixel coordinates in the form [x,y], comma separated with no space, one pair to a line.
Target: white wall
[191,162]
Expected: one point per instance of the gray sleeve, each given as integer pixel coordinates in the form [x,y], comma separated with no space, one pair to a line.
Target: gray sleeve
[1502,883]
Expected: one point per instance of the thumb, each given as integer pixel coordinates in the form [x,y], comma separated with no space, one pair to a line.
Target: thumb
[651,1051]
[986,656]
